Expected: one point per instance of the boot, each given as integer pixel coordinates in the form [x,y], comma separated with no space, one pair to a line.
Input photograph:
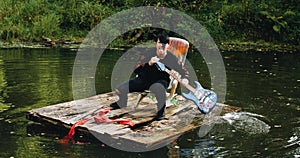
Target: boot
[114,106]
[160,114]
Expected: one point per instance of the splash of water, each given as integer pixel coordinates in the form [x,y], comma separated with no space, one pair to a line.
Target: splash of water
[247,122]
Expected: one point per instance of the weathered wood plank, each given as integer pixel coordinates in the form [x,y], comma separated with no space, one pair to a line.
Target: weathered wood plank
[71,112]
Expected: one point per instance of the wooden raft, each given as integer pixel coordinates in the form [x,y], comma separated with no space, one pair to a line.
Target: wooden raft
[146,133]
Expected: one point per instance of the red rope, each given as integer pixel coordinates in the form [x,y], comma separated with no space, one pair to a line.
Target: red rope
[99,118]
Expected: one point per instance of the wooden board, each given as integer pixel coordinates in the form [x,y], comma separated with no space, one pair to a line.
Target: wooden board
[146,133]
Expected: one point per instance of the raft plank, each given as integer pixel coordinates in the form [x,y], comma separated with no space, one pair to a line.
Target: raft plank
[146,133]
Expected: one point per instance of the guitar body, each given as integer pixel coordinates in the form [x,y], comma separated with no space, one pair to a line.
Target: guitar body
[206,102]
[206,99]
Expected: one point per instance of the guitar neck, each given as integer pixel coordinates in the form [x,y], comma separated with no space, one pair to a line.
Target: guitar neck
[189,87]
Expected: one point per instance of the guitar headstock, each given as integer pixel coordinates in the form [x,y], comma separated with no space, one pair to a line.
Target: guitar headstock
[160,66]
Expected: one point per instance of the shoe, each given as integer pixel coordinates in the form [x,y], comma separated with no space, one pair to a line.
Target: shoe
[114,106]
[160,114]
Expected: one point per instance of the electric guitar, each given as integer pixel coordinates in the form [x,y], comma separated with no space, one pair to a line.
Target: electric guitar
[204,99]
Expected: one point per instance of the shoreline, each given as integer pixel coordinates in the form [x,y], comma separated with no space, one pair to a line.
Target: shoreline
[223,46]
[258,47]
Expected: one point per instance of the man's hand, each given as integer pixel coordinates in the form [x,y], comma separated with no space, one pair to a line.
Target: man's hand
[153,60]
[184,81]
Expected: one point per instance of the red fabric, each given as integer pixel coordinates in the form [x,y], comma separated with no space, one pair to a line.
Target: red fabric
[71,133]
[99,118]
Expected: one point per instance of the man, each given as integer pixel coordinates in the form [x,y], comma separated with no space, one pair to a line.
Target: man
[149,77]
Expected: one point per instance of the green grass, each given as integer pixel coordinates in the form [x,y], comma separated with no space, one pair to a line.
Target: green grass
[247,20]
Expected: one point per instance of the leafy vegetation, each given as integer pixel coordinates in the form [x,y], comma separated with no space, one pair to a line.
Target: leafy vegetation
[275,21]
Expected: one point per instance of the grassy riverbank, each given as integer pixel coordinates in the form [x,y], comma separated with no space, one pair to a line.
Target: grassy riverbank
[234,25]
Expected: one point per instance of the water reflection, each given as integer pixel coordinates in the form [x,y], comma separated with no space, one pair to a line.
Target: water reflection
[264,84]
[3,88]
[204,147]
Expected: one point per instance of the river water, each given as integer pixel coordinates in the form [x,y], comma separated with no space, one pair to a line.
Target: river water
[264,85]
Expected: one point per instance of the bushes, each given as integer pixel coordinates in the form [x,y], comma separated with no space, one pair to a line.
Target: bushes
[46,25]
[243,20]
[260,20]
[32,19]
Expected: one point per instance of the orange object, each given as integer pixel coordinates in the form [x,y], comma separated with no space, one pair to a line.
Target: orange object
[179,47]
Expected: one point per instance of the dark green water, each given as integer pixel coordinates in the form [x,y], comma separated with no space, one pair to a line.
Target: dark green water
[266,84]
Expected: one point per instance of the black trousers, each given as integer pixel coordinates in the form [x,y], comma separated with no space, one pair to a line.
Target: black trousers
[140,85]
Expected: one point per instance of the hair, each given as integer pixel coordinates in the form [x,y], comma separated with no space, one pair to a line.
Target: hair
[163,38]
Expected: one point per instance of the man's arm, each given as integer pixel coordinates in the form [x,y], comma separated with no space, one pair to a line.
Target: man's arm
[176,65]
[142,63]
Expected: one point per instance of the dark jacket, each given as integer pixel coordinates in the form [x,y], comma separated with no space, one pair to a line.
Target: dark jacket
[152,74]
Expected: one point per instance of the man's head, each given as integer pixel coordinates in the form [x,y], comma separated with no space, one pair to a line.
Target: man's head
[162,44]
[163,38]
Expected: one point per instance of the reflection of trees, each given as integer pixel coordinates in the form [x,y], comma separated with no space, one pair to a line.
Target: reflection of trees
[53,77]
[3,90]
[35,78]
[38,78]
